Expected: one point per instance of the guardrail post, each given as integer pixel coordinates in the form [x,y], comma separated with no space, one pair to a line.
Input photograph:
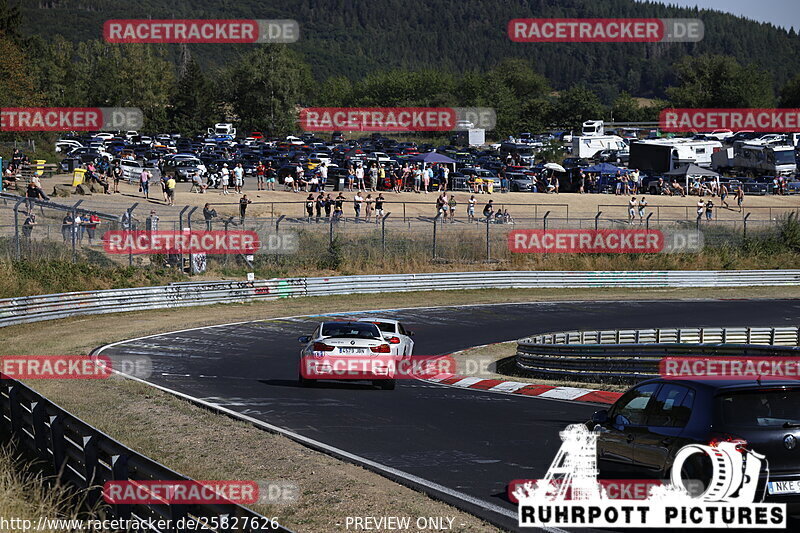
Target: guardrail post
[14,414]
[119,472]
[544,221]
[383,233]
[678,335]
[39,419]
[748,336]
[744,226]
[16,227]
[75,230]
[90,464]
[57,444]
[647,222]
[772,336]
[597,220]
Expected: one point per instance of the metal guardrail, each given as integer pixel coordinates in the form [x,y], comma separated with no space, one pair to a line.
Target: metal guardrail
[46,307]
[86,458]
[626,356]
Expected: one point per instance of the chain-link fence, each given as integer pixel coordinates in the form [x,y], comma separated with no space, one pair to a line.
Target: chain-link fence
[35,228]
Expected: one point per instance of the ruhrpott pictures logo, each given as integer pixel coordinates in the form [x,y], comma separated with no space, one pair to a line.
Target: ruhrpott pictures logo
[729,500]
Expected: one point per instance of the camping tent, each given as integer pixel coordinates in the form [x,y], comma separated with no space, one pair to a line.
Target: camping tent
[432,157]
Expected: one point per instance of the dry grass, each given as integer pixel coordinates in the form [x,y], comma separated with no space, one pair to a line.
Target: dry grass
[28,496]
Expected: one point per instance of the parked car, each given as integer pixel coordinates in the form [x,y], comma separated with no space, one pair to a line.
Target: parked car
[520,181]
[640,435]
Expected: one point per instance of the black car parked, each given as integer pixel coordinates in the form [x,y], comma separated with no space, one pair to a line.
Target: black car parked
[639,436]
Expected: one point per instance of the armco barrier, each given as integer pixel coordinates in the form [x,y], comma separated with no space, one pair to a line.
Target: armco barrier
[86,458]
[627,356]
[46,307]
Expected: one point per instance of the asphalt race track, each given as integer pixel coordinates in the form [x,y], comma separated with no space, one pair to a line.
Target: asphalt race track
[473,442]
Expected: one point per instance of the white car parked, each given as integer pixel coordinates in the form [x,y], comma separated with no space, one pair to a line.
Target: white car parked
[399,337]
[344,350]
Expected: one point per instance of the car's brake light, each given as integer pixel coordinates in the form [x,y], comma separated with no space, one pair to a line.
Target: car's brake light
[740,443]
[393,340]
[322,347]
[383,348]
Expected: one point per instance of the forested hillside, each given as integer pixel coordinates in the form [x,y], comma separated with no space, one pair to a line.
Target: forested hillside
[353,38]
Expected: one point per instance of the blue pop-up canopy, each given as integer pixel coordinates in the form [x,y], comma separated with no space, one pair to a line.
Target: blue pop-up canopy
[604,169]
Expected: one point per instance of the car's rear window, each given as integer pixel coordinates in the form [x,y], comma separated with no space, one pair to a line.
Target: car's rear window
[767,408]
[362,330]
[386,327]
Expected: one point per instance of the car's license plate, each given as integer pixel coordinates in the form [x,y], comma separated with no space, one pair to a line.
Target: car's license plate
[784,487]
[350,350]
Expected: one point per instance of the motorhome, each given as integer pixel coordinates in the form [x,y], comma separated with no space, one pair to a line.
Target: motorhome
[664,155]
[757,159]
[586,146]
[593,127]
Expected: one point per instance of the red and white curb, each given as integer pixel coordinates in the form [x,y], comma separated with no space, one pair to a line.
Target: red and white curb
[527,389]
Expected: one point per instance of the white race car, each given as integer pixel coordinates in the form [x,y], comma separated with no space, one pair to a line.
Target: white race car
[344,350]
[399,337]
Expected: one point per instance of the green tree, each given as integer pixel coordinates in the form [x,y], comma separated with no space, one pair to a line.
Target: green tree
[265,88]
[715,81]
[336,91]
[790,93]
[575,106]
[626,109]
[192,99]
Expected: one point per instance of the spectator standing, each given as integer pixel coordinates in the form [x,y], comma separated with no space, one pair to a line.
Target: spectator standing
[323,176]
[238,178]
[351,178]
[379,213]
[381,181]
[417,178]
[445,177]
[723,194]
[359,173]
[226,178]
[244,201]
[471,208]
[209,215]
[373,176]
[427,178]
[27,226]
[270,173]
[338,206]
[451,204]
[116,175]
[310,207]
[632,203]
[144,183]
[441,206]
[739,197]
[709,210]
[171,183]
[260,175]
[91,226]
[66,226]
[358,201]
[368,203]
[701,207]
[328,205]
[319,204]
[642,207]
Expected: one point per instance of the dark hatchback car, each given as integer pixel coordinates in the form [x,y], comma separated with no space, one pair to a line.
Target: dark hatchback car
[639,436]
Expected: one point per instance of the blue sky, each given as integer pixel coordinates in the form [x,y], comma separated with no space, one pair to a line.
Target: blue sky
[785,13]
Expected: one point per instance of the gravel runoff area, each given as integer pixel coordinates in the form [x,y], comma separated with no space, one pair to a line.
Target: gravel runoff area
[204,445]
